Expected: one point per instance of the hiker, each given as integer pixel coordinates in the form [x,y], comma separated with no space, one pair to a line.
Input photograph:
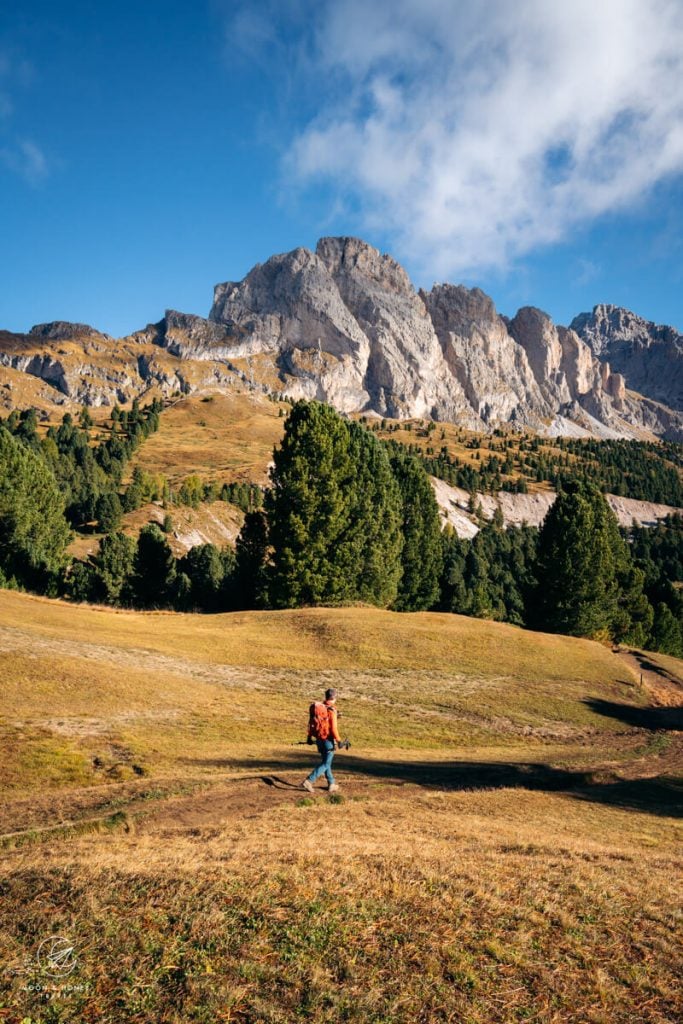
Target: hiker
[322,729]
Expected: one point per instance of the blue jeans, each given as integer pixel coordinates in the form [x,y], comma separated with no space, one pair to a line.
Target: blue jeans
[326,751]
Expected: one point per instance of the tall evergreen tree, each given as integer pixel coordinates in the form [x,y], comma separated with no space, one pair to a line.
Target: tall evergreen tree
[334,513]
[308,508]
[369,552]
[154,569]
[667,632]
[578,565]
[33,530]
[250,581]
[113,568]
[422,553]
[108,511]
[205,569]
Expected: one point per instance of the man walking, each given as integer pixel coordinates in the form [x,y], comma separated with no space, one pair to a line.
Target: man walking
[322,729]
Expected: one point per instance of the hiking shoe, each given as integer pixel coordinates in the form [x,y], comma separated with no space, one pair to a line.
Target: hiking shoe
[308,786]
[334,788]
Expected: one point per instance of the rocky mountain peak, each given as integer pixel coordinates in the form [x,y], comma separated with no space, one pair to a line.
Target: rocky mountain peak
[465,306]
[62,330]
[649,356]
[352,257]
[343,324]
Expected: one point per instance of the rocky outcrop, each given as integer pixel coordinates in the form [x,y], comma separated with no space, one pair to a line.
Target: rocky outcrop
[62,330]
[531,509]
[344,325]
[577,384]
[406,372]
[491,367]
[44,366]
[648,355]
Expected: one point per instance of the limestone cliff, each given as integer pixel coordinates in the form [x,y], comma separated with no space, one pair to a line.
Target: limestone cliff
[648,355]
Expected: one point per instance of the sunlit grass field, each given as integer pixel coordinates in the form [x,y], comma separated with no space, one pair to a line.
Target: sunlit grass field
[505,845]
[218,437]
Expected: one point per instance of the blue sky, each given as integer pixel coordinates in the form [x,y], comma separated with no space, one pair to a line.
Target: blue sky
[150,150]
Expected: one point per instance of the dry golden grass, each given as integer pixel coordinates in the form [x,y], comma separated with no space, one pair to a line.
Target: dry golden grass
[503,849]
[221,437]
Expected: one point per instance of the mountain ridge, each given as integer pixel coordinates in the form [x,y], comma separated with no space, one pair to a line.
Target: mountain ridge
[343,324]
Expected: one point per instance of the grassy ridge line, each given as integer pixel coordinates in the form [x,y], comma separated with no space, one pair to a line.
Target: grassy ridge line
[339,638]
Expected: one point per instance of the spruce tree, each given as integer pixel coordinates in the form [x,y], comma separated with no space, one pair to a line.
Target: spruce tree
[370,550]
[154,569]
[204,567]
[422,553]
[249,586]
[334,514]
[113,568]
[33,530]
[108,511]
[578,564]
[309,510]
[667,632]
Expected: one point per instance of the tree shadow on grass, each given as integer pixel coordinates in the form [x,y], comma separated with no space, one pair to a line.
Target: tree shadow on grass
[651,666]
[661,795]
[639,718]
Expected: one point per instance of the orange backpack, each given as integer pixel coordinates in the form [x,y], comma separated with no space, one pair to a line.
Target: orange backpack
[319,720]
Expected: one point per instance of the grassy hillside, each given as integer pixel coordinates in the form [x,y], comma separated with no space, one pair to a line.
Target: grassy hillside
[503,848]
[217,437]
[230,437]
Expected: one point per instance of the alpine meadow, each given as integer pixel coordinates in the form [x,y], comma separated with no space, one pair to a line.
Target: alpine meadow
[341,623]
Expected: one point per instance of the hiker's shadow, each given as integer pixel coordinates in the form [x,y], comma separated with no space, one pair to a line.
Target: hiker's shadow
[277,783]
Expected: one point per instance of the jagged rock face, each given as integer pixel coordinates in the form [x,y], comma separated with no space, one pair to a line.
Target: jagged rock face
[290,301]
[291,307]
[346,326]
[406,372]
[572,379]
[649,356]
[538,336]
[489,364]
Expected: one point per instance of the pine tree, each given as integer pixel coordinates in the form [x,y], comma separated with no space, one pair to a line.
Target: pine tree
[453,592]
[334,513]
[205,569]
[249,584]
[422,553]
[667,632]
[113,568]
[33,530]
[108,511]
[308,508]
[370,550]
[154,569]
[578,564]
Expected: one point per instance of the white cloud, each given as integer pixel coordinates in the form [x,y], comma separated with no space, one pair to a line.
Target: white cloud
[472,133]
[27,160]
[23,156]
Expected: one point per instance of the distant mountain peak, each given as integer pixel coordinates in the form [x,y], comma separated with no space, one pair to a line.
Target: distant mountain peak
[344,324]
